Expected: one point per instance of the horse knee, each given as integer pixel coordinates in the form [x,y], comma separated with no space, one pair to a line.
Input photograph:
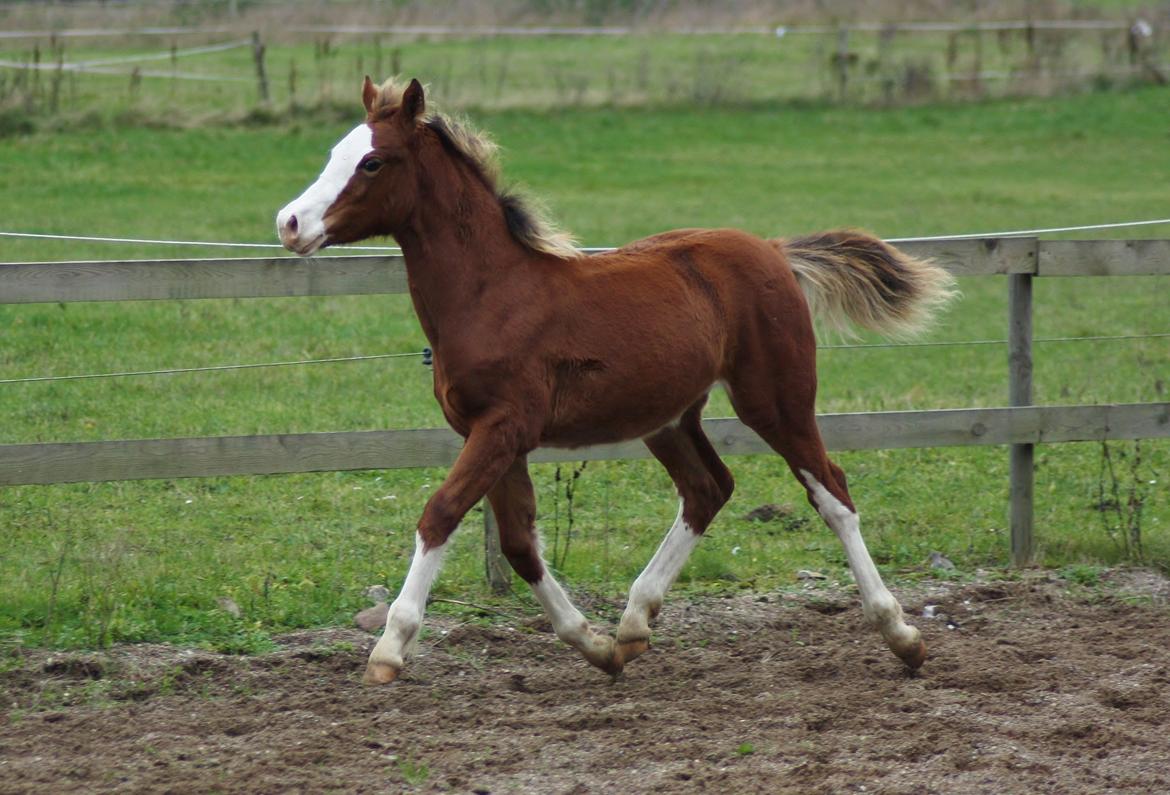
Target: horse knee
[701,505]
[440,518]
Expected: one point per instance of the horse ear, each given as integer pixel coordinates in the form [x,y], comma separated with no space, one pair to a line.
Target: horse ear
[369,94]
[413,101]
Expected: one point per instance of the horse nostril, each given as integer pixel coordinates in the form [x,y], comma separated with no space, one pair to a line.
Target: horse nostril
[292,224]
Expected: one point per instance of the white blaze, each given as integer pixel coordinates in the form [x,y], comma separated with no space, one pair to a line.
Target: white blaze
[310,207]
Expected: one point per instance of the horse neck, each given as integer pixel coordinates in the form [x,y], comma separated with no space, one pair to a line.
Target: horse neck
[456,245]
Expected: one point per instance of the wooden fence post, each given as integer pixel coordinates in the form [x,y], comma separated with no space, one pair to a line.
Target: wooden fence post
[841,62]
[499,572]
[261,72]
[1020,394]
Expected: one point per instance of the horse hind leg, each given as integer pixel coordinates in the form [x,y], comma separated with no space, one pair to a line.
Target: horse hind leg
[514,504]
[880,607]
[789,426]
[704,485]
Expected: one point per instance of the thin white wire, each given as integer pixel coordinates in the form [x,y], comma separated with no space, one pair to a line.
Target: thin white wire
[210,243]
[958,343]
[155,241]
[69,66]
[158,56]
[208,369]
[1030,232]
[104,65]
[368,357]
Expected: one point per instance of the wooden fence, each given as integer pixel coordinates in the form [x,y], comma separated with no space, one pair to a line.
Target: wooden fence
[1018,424]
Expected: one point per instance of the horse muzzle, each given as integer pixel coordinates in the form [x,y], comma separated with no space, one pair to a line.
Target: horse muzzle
[296,238]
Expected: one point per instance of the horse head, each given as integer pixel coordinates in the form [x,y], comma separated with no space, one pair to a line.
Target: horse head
[369,185]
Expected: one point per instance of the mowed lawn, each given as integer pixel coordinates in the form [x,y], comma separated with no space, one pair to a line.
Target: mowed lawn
[92,563]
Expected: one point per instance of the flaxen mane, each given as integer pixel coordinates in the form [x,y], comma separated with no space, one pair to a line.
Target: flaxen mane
[528,224]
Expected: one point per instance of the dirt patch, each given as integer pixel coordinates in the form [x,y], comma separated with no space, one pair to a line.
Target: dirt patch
[1029,689]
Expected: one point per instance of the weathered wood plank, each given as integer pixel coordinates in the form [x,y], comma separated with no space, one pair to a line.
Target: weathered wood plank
[988,256]
[136,280]
[1104,257]
[69,462]
[225,455]
[267,277]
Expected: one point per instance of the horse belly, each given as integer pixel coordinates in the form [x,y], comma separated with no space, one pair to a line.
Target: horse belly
[605,410]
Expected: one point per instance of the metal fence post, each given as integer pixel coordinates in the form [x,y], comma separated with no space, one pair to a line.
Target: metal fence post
[499,572]
[1020,394]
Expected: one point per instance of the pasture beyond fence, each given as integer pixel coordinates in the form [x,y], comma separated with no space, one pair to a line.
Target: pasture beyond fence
[1018,424]
[483,65]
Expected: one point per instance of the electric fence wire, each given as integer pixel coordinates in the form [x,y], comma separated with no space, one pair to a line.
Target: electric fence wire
[589,250]
[341,359]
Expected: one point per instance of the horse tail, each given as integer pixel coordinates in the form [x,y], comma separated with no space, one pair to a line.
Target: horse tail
[853,278]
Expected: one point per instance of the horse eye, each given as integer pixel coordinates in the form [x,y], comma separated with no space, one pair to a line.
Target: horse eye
[371,166]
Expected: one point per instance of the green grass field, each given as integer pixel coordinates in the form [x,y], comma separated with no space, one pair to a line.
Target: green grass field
[93,563]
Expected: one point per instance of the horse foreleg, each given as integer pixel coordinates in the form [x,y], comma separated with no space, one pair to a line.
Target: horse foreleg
[489,449]
[514,504]
[404,619]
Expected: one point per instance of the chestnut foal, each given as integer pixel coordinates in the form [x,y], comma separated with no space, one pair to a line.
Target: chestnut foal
[539,344]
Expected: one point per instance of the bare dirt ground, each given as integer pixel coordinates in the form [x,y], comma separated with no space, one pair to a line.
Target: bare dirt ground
[1030,689]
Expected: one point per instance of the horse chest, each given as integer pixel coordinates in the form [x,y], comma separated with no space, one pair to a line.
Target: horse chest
[467,390]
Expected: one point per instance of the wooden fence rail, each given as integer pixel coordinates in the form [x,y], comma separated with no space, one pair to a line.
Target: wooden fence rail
[1020,424]
[143,459]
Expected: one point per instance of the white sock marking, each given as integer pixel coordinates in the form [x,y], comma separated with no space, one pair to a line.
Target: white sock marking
[568,622]
[312,205]
[878,604]
[648,591]
[406,613]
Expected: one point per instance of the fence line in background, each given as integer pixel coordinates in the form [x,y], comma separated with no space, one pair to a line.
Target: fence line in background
[949,77]
[1134,41]
[608,30]
[1021,425]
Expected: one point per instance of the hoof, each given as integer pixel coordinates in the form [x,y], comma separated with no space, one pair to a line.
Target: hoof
[614,665]
[630,650]
[914,656]
[379,674]
[605,654]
